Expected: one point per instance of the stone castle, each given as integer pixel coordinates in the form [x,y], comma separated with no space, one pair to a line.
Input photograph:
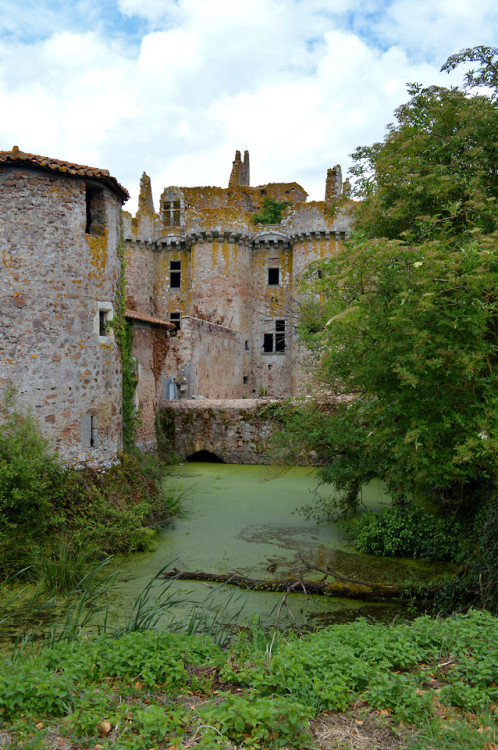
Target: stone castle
[211,295]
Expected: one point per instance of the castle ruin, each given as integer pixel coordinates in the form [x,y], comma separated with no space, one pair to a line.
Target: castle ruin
[210,294]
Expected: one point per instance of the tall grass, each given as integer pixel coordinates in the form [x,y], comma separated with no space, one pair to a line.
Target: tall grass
[159,606]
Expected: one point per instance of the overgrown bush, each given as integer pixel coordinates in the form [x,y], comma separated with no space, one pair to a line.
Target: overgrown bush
[401,531]
[30,473]
[54,520]
[271,212]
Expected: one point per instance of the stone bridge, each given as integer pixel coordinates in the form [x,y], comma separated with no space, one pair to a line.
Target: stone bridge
[235,431]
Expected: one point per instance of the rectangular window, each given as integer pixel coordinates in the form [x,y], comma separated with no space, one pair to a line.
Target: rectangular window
[273,271]
[273,276]
[175,318]
[275,342]
[246,345]
[95,210]
[245,379]
[280,335]
[268,342]
[175,274]
[102,322]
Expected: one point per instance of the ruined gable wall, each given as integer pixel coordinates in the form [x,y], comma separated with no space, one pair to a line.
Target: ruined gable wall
[215,363]
[53,277]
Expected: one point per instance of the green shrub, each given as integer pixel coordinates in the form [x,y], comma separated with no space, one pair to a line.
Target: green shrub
[55,521]
[271,212]
[259,722]
[409,532]
[30,473]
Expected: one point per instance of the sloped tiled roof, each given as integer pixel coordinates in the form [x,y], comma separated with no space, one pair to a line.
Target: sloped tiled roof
[16,156]
[133,315]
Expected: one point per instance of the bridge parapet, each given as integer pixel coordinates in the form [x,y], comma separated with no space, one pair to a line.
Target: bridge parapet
[236,431]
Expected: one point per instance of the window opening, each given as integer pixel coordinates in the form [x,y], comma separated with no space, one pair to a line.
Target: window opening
[246,345]
[95,211]
[103,322]
[268,342]
[273,271]
[94,436]
[245,379]
[175,274]
[275,342]
[280,335]
[175,318]
[172,214]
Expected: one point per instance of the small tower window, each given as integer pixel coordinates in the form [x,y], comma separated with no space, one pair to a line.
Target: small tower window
[102,321]
[95,211]
[175,318]
[273,271]
[172,213]
[175,274]
[103,317]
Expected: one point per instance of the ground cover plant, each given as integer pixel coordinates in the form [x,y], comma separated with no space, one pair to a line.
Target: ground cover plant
[427,684]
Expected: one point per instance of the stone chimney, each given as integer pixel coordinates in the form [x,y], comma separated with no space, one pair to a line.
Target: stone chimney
[240,171]
[145,201]
[333,184]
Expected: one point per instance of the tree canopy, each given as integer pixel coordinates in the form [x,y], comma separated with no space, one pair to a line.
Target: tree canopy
[405,316]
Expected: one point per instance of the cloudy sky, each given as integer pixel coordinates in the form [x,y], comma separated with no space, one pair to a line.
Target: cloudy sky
[173,87]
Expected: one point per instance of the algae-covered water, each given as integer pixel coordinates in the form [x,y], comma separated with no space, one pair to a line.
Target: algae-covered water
[243,519]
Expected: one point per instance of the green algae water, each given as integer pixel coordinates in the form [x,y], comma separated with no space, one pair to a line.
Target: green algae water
[243,519]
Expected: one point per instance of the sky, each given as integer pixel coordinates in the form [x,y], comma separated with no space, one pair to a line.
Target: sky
[174,87]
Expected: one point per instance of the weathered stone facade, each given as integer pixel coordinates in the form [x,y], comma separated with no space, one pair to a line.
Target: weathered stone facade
[200,265]
[59,232]
[230,285]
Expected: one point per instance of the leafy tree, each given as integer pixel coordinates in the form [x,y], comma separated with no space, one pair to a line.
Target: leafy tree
[485,75]
[406,315]
[271,212]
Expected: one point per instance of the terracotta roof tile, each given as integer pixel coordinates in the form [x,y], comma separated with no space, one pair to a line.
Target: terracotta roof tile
[66,167]
[134,315]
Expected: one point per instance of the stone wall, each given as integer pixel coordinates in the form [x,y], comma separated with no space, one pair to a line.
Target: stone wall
[206,358]
[235,431]
[57,287]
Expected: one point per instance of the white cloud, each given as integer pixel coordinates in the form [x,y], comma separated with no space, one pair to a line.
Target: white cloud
[300,84]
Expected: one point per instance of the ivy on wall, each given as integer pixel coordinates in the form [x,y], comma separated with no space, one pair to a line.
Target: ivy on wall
[123,332]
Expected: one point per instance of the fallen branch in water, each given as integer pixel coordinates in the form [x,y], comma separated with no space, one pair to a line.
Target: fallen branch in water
[349,590]
[292,587]
[339,577]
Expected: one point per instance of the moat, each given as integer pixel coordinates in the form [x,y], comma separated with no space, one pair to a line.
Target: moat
[242,519]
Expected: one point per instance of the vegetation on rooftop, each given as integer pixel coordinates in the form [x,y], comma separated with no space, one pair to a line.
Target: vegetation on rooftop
[271,212]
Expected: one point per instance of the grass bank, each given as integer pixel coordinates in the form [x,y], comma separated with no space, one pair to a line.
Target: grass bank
[424,685]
